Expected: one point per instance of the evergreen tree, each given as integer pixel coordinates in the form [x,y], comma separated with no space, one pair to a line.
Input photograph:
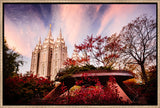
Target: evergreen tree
[11,61]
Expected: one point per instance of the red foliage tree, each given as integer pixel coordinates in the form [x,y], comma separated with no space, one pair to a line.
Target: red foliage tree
[70,62]
[100,49]
[78,61]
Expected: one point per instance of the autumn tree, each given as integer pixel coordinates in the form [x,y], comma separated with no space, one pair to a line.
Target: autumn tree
[73,62]
[112,49]
[138,42]
[100,50]
[69,62]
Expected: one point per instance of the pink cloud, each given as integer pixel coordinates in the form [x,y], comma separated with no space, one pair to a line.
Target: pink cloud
[69,19]
[74,21]
[98,7]
[120,12]
[23,36]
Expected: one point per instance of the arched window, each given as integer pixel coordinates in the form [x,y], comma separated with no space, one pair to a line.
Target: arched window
[51,52]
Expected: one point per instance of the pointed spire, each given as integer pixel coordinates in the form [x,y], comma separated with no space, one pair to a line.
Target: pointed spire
[50,26]
[39,40]
[50,33]
[60,34]
[60,38]
[75,54]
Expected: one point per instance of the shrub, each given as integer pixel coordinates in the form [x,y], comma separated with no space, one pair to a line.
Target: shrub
[69,71]
[24,89]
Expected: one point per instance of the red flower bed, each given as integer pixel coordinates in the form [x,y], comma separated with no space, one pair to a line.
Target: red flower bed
[89,90]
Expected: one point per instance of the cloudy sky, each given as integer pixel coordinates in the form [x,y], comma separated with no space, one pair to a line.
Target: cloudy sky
[25,23]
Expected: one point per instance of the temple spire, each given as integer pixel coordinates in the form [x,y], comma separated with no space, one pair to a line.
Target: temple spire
[39,40]
[60,34]
[50,33]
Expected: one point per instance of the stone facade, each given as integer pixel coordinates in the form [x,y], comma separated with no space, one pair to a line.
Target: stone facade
[48,58]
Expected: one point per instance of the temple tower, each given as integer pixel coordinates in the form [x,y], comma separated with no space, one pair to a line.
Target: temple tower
[59,55]
[48,58]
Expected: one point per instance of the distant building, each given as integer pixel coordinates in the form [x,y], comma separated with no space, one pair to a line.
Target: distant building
[75,55]
[48,58]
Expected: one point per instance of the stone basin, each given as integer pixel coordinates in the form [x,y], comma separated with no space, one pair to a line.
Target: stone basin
[103,76]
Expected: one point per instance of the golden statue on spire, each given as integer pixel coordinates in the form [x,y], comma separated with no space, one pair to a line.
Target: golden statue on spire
[50,26]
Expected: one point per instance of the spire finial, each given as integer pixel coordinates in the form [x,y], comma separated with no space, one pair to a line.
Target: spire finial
[50,26]
[49,34]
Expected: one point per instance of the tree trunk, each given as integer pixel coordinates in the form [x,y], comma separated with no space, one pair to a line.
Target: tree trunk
[144,76]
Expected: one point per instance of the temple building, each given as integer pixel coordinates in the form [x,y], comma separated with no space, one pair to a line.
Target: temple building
[48,57]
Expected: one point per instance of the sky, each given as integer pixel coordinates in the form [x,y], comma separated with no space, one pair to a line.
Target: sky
[24,24]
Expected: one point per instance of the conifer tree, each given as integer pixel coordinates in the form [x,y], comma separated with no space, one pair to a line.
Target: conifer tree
[11,61]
